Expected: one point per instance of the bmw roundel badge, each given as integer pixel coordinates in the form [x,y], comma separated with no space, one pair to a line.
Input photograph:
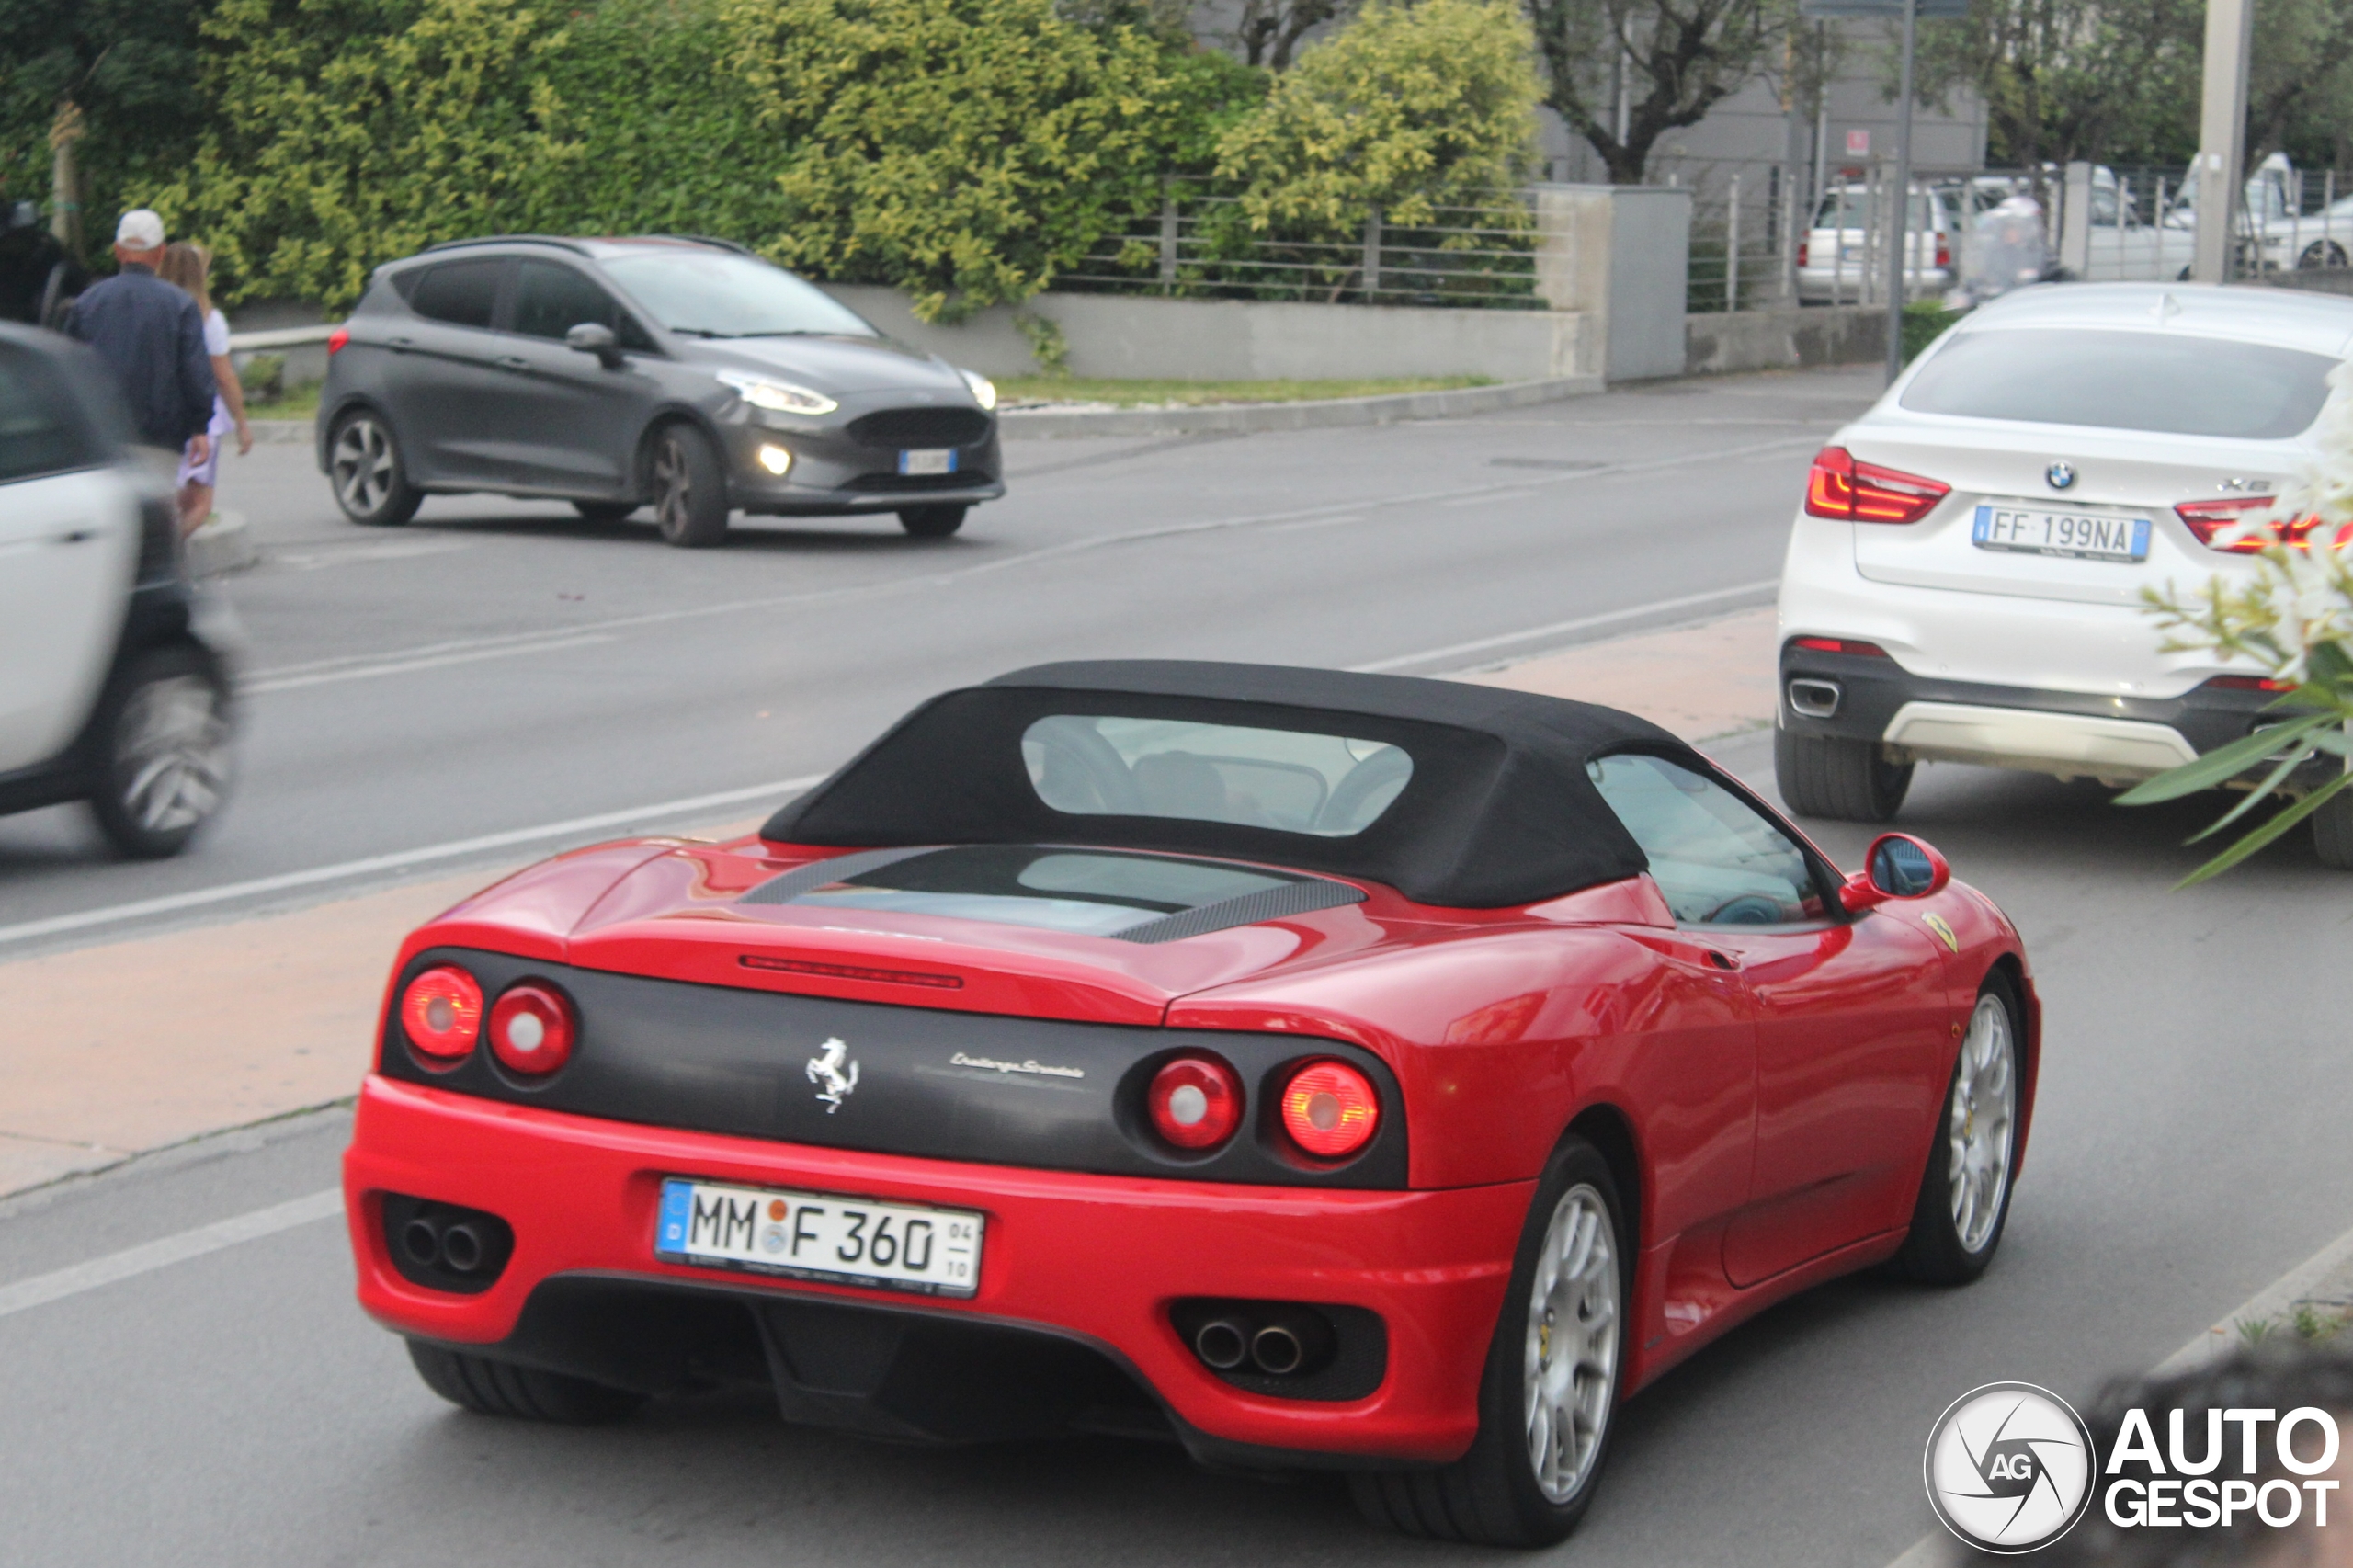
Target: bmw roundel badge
[2062,475]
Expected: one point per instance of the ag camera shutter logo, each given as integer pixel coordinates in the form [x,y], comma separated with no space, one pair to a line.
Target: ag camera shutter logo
[2009,1468]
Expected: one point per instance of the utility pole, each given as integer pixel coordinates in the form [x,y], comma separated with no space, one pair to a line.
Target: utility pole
[2221,135]
[1899,255]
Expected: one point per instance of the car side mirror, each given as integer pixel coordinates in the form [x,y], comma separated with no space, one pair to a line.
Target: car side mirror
[594,337]
[1896,866]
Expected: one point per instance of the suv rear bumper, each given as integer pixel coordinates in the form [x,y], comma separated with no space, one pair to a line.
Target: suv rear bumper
[2071,733]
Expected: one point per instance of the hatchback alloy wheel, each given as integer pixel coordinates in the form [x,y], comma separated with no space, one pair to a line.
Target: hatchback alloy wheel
[364,465]
[165,767]
[690,501]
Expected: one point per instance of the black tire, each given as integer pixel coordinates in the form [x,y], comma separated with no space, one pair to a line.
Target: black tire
[365,473]
[1934,1251]
[1491,1496]
[160,756]
[2333,831]
[2320,253]
[606,511]
[932,522]
[525,1393]
[1827,776]
[690,488]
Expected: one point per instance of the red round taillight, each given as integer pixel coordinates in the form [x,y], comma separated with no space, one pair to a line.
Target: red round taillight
[441,1013]
[531,1030]
[1196,1102]
[1330,1110]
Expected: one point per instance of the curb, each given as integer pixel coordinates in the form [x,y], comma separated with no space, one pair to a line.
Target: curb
[1242,418]
[225,543]
[1222,418]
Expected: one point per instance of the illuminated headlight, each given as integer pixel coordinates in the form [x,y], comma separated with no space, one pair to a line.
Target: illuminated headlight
[776,460]
[781,396]
[983,389]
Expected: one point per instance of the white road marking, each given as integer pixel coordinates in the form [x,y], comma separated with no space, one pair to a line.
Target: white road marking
[128,1263]
[2272,1301]
[289,880]
[1563,628]
[346,555]
[401,666]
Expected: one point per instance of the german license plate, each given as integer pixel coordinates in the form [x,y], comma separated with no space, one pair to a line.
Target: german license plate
[2086,536]
[818,1235]
[933,459]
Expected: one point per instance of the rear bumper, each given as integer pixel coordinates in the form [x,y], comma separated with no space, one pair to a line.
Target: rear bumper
[1090,1260]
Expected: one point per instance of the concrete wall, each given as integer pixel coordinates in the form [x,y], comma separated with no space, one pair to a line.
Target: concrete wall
[1131,335]
[1785,338]
[2317,280]
[1621,255]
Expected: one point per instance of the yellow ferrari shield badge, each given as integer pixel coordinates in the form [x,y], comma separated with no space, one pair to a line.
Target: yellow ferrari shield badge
[1944,933]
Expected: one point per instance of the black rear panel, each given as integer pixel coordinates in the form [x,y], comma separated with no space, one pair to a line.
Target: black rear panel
[1007,1091]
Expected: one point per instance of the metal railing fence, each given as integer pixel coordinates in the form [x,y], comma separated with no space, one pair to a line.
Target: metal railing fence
[1200,245]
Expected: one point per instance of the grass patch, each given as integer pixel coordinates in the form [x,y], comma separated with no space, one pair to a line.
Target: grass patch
[1190,394]
[297,402]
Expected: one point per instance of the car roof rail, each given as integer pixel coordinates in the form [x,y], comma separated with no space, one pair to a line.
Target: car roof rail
[736,246]
[572,245]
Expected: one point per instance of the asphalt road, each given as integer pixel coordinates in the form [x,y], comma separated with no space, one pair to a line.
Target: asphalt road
[496,666]
[236,1408]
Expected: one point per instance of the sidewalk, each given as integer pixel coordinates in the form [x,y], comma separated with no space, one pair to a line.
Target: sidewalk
[129,1047]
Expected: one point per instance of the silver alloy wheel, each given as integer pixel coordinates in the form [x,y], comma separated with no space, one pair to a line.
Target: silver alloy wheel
[1569,1377]
[673,491]
[362,465]
[172,754]
[1983,1122]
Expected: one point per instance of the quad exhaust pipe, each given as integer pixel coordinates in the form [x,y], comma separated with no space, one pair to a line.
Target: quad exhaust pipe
[459,1246]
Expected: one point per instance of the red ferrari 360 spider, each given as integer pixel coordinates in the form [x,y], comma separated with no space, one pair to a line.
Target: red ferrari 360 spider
[1320,1070]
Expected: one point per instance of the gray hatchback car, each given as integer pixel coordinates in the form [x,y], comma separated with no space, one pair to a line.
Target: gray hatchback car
[687,374]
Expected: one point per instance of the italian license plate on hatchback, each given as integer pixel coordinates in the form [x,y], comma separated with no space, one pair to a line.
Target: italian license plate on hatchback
[936,459]
[817,1236]
[2086,535]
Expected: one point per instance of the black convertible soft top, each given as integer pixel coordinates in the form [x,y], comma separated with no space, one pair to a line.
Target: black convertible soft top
[1499,809]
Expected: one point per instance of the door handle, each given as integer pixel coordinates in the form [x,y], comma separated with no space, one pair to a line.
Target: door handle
[512,362]
[1721,959]
[403,342]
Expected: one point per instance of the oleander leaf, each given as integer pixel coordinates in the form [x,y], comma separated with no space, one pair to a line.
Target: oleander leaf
[2266,832]
[2221,764]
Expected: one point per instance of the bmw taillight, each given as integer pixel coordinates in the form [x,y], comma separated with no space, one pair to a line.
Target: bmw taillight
[2249,683]
[1837,487]
[337,338]
[532,1029]
[1194,1101]
[1330,1110]
[441,1015]
[2211,520]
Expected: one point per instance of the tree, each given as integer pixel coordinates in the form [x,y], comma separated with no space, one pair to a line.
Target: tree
[1269,31]
[1680,57]
[1408,108]
[2297,80]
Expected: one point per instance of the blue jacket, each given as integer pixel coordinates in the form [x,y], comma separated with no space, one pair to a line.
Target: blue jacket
[151,337]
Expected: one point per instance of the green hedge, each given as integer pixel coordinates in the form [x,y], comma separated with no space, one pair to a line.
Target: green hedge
[965,150]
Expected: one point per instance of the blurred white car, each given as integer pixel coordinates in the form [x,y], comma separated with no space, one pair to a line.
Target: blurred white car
[114,677]
[1963,577]
[1848,239]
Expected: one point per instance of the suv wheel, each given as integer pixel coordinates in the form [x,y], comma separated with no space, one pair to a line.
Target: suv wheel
[932,522]
[1845,780]
[364,465]
[690,489]
[162,735]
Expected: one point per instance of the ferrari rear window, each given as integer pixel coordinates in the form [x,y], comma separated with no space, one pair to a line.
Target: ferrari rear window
[1087,892]
[1291,780]
[2169,382]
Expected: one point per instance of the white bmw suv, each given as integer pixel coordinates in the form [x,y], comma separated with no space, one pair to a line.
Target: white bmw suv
[114,677]
[1963,579]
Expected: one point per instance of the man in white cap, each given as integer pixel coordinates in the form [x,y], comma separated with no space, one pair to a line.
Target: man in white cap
[151,337]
